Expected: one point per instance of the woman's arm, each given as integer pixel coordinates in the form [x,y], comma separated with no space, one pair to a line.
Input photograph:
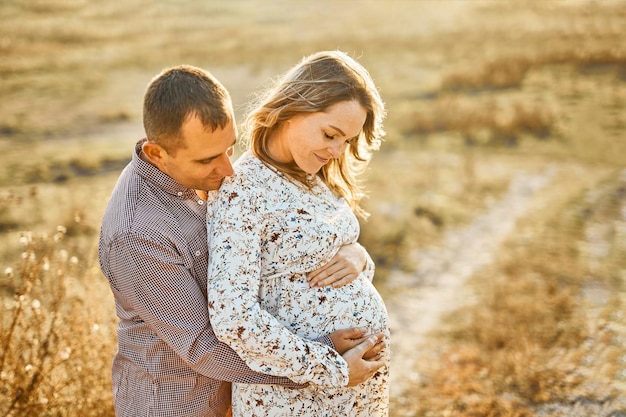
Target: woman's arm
[235,239]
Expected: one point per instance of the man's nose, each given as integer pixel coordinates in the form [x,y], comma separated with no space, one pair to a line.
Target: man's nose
[226,167]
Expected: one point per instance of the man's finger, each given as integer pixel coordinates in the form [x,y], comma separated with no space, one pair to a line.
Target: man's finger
[352,332]
[349,338]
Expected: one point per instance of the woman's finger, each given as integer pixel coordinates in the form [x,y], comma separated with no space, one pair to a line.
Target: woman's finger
[326,274]
[337,278]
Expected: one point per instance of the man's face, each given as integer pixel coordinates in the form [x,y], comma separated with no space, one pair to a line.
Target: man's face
[204,160]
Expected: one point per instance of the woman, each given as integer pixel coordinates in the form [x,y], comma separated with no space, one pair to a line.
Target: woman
[290,205]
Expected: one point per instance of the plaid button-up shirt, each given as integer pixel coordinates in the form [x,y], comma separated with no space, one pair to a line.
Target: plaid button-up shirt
[153,250]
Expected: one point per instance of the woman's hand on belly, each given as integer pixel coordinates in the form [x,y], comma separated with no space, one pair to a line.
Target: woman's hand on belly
[342,269]
[346,339]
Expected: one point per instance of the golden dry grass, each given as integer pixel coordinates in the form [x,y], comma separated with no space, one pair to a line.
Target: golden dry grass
[476,92]
[52,335]
[56,321]
[535,335]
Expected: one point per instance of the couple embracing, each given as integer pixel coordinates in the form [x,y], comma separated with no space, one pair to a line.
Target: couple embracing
[245,284]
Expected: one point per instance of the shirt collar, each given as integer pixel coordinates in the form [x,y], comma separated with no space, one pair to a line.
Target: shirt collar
[157,177]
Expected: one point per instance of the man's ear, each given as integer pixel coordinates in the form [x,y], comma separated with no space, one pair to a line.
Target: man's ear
[155,153]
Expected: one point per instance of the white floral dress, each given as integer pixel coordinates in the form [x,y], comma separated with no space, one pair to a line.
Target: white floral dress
[265,233]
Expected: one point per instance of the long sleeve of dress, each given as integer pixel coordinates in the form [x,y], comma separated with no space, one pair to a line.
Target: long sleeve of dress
[369,268]
[236,238]
[154,280]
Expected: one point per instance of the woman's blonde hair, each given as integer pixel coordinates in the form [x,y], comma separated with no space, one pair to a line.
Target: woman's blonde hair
[314,84]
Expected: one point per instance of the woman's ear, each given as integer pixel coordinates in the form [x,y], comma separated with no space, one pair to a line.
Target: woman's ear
[154,153]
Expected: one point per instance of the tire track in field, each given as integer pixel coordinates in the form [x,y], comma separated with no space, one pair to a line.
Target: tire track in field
[418,300]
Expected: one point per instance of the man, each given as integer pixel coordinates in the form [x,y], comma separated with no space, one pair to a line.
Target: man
[153,251]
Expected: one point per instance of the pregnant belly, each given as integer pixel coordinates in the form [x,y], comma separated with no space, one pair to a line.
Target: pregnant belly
[313,312]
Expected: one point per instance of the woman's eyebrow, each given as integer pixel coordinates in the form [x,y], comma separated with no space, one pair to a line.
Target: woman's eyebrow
[341,131]
[337,129]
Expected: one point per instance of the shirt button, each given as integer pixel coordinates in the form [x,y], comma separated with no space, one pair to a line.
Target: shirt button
[197,253]
[201,202]
[180,193]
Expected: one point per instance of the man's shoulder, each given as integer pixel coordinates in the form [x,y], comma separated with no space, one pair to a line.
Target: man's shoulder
[135,206]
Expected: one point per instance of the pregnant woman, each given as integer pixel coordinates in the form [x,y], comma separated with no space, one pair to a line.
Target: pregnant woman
[292,202]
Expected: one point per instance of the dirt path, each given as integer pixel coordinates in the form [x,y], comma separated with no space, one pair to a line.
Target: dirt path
[419,300]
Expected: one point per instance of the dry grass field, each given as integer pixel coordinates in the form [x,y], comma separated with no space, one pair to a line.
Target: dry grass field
[498,199]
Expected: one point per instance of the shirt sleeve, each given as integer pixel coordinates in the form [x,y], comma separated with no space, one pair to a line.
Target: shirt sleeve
[235,239]
[153,282]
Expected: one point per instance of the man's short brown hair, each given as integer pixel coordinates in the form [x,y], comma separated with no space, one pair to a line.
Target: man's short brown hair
[178,93]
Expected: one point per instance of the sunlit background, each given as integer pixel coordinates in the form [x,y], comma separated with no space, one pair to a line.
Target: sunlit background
[497,201]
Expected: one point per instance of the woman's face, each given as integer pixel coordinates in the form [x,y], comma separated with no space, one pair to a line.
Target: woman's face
[311,140]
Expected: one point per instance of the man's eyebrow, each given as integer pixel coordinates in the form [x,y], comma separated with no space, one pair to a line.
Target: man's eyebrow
[210,158]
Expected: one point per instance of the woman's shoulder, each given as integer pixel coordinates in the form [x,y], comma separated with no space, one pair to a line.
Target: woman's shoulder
[249,164]
[250,177]
[243,168]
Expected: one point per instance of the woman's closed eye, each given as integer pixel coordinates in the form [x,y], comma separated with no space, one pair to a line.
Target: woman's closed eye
[347,141]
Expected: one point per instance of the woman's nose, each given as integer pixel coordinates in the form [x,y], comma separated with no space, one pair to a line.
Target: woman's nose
[337,149]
